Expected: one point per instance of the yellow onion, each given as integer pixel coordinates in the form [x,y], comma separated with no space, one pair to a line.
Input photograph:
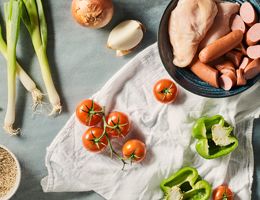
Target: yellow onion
[92,13]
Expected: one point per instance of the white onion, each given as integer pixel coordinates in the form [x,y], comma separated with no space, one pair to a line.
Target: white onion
[125,36]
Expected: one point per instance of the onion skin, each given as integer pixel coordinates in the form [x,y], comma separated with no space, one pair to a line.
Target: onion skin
[92,13]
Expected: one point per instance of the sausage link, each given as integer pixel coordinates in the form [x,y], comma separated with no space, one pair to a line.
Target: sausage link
[240,77]
[235,57]
[253,69]
[205,73]
[221,46]
[227,80]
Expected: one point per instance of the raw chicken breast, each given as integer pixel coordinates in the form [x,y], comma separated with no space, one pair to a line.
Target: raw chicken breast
[188,25]
[221,25]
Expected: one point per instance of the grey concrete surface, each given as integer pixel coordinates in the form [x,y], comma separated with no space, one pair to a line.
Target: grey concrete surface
[81,64]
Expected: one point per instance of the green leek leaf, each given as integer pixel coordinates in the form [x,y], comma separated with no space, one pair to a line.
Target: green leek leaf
[43,24]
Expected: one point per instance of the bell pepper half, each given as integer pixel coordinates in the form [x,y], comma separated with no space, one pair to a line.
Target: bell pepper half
[186,184]
[214,136]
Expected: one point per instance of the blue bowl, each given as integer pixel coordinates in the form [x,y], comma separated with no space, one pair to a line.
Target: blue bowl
[185,77]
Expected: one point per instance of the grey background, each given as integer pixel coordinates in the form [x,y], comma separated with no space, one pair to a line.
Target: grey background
[81,64]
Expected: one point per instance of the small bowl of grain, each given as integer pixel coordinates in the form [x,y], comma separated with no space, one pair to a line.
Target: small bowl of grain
[10,173]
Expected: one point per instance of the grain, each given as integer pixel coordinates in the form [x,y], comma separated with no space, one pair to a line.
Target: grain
[8,172]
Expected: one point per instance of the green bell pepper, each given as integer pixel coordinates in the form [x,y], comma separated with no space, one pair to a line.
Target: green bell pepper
[186,184]
[214,136]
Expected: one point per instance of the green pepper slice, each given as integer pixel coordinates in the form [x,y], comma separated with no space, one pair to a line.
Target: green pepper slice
[186,184]
[214,136]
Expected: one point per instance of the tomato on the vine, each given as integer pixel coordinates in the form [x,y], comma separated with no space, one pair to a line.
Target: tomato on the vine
[89,112]
[118,124]
[223,192]
[91,139]
[134,150]
[165,91]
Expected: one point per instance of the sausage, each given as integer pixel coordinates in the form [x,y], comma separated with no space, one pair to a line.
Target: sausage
[205,73]
[253,51]
[227,80]
[225,66]
[248,13]
[221,46]
[253,69]
[253,34]
[245,62]
[240,77]
[225,70]
[241,48]
[237,23]
[235,57]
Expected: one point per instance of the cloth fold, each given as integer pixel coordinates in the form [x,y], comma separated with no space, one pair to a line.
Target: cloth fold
[166,130]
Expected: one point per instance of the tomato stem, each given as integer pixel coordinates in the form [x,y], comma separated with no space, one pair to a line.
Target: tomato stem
[104,131]
[112,127]
[91,112]
[166,91]
[225,195]
[114,152]
[132,157]
[117,127]
[104,134]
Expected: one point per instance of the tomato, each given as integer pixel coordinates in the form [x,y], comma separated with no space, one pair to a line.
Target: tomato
[134,150]
[118,124]
[165,91]
[89,113]
[89,137]
[223,192]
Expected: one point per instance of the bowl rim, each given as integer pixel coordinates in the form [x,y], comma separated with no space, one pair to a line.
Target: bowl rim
[253,81]
[14,189]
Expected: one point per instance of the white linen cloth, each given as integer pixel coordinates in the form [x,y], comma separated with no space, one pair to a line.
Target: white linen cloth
[166,130]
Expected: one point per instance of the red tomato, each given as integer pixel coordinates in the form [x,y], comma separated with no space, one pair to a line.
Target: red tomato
[134,150]
[89,137]
[119,124]
[89,113]
[165,91]
[223,192]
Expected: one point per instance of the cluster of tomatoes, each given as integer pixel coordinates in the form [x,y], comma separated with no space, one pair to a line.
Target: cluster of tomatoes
[102,129]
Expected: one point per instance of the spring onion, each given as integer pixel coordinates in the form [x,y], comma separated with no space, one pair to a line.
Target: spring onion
[12,11]
[25,79]
[34,20]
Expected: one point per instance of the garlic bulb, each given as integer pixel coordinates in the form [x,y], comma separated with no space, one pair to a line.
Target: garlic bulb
[125,36]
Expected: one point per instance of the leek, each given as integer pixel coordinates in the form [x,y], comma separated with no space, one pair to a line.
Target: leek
[34,20]
[12,18]
[25,79]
